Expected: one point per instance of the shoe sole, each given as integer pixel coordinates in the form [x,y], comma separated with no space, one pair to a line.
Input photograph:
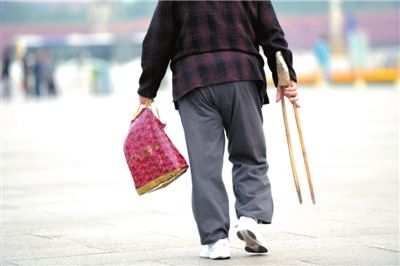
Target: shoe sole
[252,244]
[217,258]
[221,258]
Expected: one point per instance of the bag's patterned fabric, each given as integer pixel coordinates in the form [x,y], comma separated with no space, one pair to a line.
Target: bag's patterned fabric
[153,160]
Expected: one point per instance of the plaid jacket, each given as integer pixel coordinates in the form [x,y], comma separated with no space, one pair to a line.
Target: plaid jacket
[211,42]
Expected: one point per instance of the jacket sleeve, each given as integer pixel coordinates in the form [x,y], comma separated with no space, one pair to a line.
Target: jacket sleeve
[272,39]
[157,49]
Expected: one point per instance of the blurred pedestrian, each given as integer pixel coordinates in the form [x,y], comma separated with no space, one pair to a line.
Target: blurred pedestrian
[38,72]
[321,50]
[28,73]
[219,85]
[48,75]
[5,74]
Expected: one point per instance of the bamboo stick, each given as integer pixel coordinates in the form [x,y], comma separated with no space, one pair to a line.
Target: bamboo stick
[289,143]
[303,149]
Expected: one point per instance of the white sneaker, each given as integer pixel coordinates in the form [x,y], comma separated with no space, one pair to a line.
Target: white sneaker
[247,231]
[216,251]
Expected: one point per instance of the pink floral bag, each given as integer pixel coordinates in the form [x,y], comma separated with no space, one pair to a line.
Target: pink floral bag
[153,160]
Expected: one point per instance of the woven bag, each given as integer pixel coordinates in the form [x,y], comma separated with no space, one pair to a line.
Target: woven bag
[153,160]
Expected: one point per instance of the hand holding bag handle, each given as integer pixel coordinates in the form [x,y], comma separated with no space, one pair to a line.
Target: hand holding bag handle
[149,104]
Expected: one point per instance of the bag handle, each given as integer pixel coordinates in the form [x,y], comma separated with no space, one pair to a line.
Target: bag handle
[149,104]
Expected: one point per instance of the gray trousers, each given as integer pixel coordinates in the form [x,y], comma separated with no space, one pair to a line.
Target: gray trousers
[206,113]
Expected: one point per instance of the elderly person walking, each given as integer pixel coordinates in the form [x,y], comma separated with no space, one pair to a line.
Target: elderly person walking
[219,87]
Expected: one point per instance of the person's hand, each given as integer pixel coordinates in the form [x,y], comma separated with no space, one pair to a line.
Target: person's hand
[144,100]
[289,91]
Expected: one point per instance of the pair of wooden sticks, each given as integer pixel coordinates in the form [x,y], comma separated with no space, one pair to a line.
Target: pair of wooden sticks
[284,80]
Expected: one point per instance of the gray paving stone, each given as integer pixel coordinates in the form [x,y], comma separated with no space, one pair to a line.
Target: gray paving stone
[137,257]
[68,198]
[335,252]
[20,247]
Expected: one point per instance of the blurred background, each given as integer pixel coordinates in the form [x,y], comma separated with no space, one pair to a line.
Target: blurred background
[55,47]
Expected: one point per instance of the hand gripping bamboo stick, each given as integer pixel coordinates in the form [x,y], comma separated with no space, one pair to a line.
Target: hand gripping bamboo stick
[284,80]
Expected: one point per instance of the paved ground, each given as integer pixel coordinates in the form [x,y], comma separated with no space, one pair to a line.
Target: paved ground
[68,199]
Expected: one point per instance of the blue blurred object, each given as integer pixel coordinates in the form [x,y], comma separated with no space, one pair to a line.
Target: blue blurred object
[100,76]
[321,49]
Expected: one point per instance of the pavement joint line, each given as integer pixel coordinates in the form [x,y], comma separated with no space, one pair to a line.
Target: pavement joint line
[386,249]
[96,253]
[298,234]
[313,263]
[46,236]
[102,253]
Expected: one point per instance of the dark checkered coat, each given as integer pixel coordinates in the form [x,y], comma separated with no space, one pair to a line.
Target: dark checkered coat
[211,42]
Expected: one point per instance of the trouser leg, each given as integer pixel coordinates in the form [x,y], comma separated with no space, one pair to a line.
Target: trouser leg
[242,118]
[205,142]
